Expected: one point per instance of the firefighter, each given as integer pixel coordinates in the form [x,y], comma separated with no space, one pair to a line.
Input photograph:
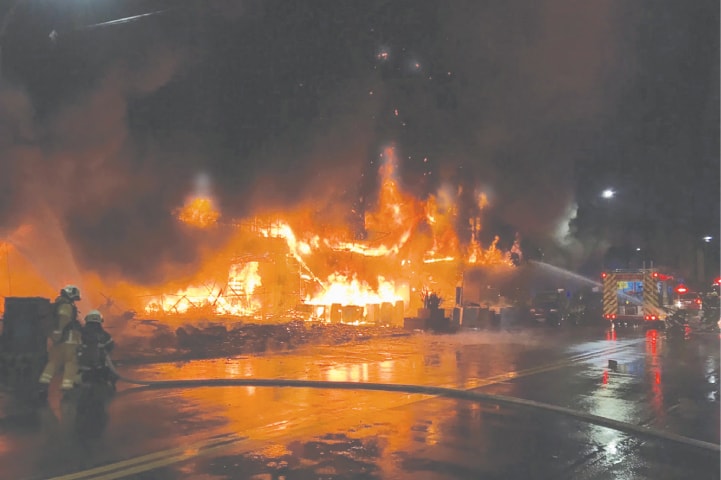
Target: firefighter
[65,337]
[96,345]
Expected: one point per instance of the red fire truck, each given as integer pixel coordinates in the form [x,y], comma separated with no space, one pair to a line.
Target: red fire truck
[636,297]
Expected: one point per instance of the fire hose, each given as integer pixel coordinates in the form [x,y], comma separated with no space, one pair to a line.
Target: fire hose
[454,393]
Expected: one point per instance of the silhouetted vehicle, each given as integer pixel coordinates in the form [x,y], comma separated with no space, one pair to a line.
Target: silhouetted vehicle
[711,316]
[549,308]
[586,308]
[676,325]
[690,301]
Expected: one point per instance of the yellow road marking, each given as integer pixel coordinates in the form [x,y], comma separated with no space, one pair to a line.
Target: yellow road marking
[203,447]
[187,455]
[195,446]
[494,379]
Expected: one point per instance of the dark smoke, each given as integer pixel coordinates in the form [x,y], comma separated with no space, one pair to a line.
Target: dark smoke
[501,100]
[323,168]
[504,100]
[282,103]
[530,83]
[78,166]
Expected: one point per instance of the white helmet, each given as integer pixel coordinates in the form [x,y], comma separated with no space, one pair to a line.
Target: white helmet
[94,316]
[71,291]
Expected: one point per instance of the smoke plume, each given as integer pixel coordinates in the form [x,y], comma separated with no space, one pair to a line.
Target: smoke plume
[530,84]
[292,108]
[78,177]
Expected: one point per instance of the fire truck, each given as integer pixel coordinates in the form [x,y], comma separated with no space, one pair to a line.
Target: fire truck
[636,297]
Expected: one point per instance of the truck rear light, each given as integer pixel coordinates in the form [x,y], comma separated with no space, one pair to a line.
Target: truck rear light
[651,317]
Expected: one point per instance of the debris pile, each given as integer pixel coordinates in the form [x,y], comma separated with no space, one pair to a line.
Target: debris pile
[151,340]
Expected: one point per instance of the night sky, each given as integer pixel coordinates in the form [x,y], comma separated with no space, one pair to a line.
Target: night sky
[540,104]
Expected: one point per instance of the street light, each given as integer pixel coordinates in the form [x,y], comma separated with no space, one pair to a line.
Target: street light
[707,238]
[608,193]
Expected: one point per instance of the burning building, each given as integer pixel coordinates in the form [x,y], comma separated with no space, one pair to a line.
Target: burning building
[299,264]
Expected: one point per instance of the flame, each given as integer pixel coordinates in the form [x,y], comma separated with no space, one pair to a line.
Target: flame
[397,212]
[273,264]
[199,212]
[439,260]
[488,257]
[412,245]
[370,250]
[441,219]
[234,298]
[397,216]
[482,201]
[343,290]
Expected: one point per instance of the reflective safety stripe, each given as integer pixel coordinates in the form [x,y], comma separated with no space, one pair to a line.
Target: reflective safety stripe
[610,294]
[73,337]
[45,378]
[651,296]
[67,384]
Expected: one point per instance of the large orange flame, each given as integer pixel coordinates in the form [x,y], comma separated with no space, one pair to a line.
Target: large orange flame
[198,212]
[342,290]
[274,264]
[233,298]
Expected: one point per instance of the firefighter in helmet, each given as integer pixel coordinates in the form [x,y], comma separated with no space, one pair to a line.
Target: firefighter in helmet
[96,345]
[65,338]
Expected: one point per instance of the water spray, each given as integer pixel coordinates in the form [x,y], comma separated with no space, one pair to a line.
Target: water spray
[566,273]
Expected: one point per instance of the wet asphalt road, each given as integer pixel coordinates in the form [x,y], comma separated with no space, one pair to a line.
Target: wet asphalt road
[301,433]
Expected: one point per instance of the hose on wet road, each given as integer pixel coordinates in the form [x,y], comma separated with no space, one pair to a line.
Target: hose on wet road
[455,393]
